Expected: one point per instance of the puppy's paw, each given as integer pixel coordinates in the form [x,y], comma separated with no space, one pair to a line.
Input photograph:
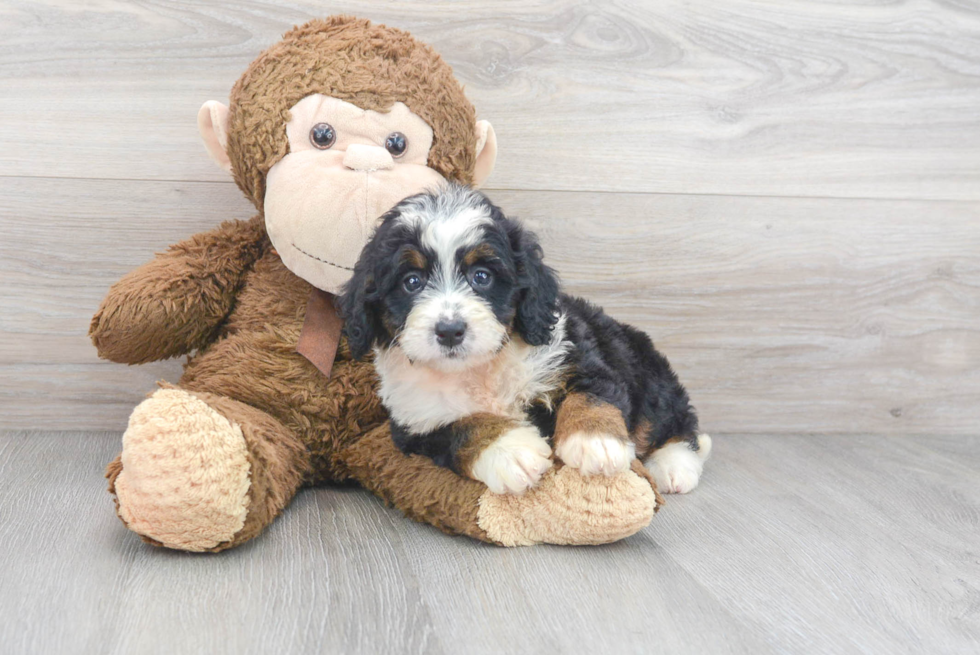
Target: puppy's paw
[593,454]
[514,462]
[676,468]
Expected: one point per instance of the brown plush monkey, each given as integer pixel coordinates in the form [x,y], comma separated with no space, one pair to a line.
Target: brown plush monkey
[325,131]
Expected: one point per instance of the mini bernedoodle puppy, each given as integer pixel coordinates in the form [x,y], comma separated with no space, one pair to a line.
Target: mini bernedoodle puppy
[484,364]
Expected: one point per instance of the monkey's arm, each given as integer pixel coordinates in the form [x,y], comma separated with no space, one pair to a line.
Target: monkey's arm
[564,508]
[172,304]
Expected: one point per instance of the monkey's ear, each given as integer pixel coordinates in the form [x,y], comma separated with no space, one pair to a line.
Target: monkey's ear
[486,152]
[212,121]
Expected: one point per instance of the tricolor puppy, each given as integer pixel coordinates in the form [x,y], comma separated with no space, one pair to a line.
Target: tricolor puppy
[484,365]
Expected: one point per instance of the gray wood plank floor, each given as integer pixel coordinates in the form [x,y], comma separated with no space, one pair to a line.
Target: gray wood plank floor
[792,544]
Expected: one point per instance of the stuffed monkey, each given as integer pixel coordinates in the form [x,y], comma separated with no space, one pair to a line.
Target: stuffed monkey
[325,131]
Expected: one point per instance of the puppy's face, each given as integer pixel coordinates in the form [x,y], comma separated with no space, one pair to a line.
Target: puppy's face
[447,278]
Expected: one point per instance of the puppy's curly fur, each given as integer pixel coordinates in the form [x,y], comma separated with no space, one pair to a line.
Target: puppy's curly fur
[484,364]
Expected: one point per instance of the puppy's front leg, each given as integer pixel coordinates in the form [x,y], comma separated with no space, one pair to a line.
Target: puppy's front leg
[590,435]
[506,455]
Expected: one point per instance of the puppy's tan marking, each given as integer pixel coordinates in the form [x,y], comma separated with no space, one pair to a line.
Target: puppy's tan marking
[415,259]
[640,436]
[585,414]
[482,429]
[480,252]
[390,323]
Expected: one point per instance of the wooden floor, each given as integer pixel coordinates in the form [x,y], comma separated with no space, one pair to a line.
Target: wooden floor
[791,544]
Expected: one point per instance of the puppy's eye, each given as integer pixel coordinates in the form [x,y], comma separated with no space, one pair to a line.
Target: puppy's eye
[396,144]
[412,282]
[481,277]
[322,136]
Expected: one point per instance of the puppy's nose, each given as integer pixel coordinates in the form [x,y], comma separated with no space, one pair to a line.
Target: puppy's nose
[367,158]
[450,333]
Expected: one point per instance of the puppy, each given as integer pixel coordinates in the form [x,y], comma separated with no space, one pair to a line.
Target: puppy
[484,365]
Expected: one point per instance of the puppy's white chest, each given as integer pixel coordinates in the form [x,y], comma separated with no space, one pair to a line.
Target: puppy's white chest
[423,399]
[496,387]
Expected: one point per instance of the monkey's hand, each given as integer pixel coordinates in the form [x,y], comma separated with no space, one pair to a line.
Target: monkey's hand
[173,304]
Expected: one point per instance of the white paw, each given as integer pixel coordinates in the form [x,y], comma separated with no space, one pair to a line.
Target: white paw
[676,468]
[514,462]
[592,454]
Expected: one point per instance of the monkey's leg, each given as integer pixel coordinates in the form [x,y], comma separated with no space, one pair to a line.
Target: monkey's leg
[564,508]
[203,472]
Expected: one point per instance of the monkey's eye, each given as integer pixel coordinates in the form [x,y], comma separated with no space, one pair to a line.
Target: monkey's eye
[322,136]
[412,282]
[481,278]
[396,144]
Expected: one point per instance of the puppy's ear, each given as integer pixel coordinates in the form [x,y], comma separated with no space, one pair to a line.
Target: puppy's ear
[537,304]
[360,301]
[357,308]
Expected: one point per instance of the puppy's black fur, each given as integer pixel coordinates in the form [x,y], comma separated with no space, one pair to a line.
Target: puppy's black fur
[609,361]
[524,295]
[617,363]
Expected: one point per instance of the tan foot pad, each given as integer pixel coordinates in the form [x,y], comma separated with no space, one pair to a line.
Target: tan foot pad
[185,473]
[568,508]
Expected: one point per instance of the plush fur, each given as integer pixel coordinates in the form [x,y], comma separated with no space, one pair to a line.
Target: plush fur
[478,352]
[225,299]
[371,66]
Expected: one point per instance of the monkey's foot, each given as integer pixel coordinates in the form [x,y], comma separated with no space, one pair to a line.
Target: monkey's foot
[203,472]
[184,474]
[571,509]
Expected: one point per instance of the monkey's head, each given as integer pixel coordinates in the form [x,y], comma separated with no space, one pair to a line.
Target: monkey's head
[332,126]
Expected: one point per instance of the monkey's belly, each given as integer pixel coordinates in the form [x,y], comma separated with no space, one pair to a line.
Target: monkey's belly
[261,367]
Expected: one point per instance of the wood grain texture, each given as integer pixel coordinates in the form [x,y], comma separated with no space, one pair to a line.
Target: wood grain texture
[822,98]
[785,195]
[791,544]
[841,524]
[781,315]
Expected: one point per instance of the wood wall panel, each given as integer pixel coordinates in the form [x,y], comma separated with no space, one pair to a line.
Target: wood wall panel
[737,97]
[782,315]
